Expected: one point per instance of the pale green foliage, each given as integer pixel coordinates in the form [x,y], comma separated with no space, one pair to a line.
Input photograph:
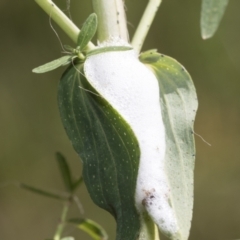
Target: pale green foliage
[62,61]
[92,228]
[211,15]
[179,105]
[88,31]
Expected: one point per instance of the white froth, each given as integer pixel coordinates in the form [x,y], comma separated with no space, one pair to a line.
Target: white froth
[114,41]
[132,89]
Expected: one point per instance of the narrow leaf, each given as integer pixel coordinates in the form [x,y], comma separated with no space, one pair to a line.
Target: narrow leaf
[69,48]
[179,105]
[53,64]
[211,15]
[43,192]
[77,183]
[65,171]
[87,32]
[91,228]
[108,49]
[107,146]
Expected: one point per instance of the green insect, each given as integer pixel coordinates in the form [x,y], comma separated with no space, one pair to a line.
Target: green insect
[79,53]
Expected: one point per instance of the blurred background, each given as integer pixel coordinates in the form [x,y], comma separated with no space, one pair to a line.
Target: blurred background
[31,131]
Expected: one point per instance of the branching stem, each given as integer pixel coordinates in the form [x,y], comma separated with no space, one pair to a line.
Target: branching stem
[61,225]
[145,24]
[62,20]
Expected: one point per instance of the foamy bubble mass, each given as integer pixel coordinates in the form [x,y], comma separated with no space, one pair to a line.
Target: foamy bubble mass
[132,89]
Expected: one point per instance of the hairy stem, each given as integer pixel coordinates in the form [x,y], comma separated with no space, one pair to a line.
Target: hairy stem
[145,24]
[111,19]
[62,20]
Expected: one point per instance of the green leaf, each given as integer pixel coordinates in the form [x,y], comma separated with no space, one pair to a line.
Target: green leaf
[108,49]
[43,192]
[87,32]
[150,56]
[107,146]
[65,171]
[77,183]
[179,105]
[91,228]
[53,64]
[211,15]
[69,48]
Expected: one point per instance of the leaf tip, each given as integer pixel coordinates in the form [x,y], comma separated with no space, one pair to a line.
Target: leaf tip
[206,35]
[35,70]
[93,15]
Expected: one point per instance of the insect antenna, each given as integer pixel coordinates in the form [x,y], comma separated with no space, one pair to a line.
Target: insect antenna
[68,3]
[202,138]
[62,47]
[84,76]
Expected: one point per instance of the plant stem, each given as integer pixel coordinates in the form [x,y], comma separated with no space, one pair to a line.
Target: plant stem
[145,23]
[149,230]
[111,19]
[61,225]
[156,235]
[62,20]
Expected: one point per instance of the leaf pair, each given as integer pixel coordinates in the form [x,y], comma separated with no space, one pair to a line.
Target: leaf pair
[92,228]
[43,192]
[86,34]
[110,151]
[211,15]
[70,185]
